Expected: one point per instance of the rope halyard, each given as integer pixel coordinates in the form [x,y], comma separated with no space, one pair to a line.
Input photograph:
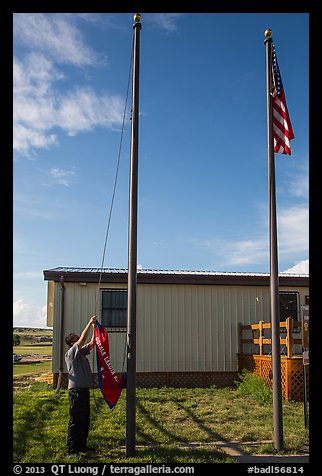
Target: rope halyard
[114,190]
[97,292]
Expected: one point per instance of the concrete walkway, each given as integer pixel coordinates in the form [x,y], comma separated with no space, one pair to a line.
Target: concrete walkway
[274,459]
[233,449]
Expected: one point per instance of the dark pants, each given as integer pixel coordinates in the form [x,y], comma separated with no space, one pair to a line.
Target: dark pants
[79,419]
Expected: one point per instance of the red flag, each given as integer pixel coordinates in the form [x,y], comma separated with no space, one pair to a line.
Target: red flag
[282,127]
[110,384]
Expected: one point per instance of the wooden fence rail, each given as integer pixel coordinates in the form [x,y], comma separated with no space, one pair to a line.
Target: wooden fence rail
[261,363]
[288,341]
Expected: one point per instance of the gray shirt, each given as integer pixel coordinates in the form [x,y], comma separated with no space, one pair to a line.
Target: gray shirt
[79,370]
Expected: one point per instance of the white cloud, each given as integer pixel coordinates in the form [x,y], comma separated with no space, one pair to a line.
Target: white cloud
[299,186]
[54,34]
[293,239]
[26,314]
[300,268]
[82,110]
[236,253]
[164,21]
[293,228]
[62,176]
[38,107]
[25,139]
[247,252]
[33,103]
[293,242]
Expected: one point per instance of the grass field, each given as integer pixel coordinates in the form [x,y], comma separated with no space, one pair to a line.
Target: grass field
[29,345]
[27,370]
[167,421]
[29,349]
[33,369]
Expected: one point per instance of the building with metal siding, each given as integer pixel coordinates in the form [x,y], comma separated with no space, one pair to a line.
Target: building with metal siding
[187,321]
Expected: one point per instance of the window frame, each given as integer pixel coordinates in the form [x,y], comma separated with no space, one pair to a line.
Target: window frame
[297,309]
[116,305]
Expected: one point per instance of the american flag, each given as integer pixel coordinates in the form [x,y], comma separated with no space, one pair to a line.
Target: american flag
[282,127]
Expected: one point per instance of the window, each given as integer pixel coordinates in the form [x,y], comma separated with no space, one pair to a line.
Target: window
[289,306]
[114,309]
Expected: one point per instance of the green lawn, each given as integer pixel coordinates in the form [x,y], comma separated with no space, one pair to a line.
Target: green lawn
[26,370]
[27,349]
[167,421]
[32,369]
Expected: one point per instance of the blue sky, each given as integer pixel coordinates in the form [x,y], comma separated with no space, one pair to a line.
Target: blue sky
[203,196]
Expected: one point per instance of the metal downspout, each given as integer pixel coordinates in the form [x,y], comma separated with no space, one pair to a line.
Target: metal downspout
[62,320]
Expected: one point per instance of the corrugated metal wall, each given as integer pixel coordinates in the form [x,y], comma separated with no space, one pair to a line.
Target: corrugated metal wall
[193,327]
[179,327]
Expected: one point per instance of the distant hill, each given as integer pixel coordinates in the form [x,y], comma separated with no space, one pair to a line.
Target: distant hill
[34,335]
[34,330]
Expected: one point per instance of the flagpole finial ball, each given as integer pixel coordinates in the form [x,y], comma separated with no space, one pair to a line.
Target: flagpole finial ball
[137,17]
[268,33]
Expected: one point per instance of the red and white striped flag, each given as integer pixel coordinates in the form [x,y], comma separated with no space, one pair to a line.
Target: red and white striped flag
[282,127]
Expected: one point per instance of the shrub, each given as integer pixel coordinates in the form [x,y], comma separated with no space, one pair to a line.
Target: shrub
[16,339]
[254,386]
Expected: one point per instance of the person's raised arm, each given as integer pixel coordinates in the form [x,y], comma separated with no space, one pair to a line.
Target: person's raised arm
[92,341]
[82,340]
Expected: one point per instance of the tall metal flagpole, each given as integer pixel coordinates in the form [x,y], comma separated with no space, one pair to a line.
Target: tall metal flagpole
[132,248]
[274,295]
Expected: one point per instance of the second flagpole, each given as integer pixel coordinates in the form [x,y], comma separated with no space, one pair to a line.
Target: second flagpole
[274,283]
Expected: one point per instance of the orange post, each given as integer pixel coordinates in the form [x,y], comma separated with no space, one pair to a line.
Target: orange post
[260,337]
[289,337]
